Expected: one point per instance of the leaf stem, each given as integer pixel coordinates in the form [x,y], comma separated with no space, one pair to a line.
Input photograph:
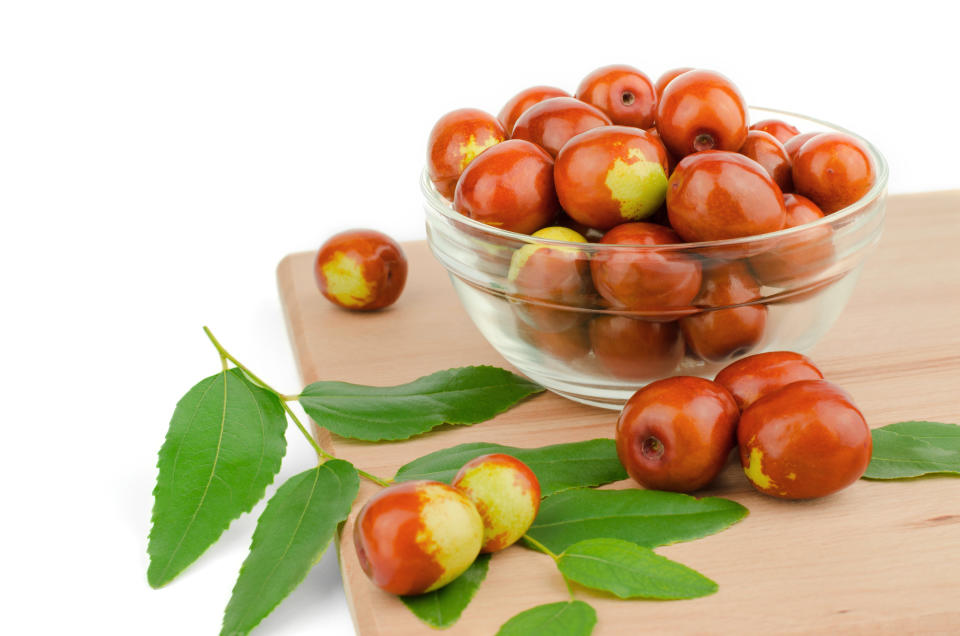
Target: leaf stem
[322,454]
[539,546]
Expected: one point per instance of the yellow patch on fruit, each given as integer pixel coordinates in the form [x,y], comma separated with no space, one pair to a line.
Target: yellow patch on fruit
[754,470]
[470,150]
[555,233]
[792,476]
[640,186]
[505,506]
[345,280]
[458,531]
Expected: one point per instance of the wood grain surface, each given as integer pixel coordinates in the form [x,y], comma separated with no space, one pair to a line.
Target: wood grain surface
[877,558]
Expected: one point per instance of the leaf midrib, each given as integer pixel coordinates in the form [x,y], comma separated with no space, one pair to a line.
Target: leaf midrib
[628,516]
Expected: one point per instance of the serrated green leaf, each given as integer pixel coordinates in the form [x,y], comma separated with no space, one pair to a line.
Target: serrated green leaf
[570,618]
[466,395]
[442,608]
[292,534]
[628,570]
[646,517]
[911,449]
[223,448]
[557,467]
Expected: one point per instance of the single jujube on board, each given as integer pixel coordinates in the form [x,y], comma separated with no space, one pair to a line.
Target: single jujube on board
[361,270]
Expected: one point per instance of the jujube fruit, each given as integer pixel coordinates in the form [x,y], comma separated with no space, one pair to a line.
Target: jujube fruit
[764,148]
[624,93]
[456,140]
[506,493]
[804,440]
[417,536]
[634,349]
[834,170]
[750,378]
[611,175]
[510,186]
[720,195]
[800,255]
[644,277]
[669,76]
[551,123]
[793,144]
[361,270]
[701,110]
[676,433]
[728,331]
[551,274]
[778,128]
[519,103]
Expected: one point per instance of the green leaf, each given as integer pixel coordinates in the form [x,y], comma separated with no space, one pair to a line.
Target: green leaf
[466,395]
[292,534]
[442,608]
[645,517]
[570,618]
[222,450]
[911,449]
[557,467]
[631,571]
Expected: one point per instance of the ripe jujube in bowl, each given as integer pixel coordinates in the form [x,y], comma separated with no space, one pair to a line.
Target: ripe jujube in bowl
[799,278]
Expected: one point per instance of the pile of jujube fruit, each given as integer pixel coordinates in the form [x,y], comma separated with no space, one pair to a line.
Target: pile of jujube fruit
[628,161]
[417,536]
[799,436]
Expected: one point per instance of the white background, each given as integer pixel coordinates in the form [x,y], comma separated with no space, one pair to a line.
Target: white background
[158,159]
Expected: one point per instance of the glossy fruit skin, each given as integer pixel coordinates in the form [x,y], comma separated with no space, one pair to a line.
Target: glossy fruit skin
[753,377]
[417,536]
[592,234]
[551,123]
[669,76]
[623,92]
[645,278]
[804,440]
[633,349]
[834,170]
[719,334]
[793,144]
[610,175]
[552,275]
[671,161]
[764,148]
[510,186]
[362,270]
[676,434]
[505,492]
[456,140]
[519,103]
[805,254]
[719,195]
[778,128]
[701,110]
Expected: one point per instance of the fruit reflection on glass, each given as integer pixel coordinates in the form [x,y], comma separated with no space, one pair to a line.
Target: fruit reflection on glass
[634,349]
[719,334]
[611,175]
[643,277]
[804,254]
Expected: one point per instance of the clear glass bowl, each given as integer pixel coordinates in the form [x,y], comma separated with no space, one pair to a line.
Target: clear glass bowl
[791,286]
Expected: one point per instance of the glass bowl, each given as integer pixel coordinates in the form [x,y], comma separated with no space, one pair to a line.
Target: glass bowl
[777,291]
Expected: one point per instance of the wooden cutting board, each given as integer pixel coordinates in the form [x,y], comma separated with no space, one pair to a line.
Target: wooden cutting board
[875,558]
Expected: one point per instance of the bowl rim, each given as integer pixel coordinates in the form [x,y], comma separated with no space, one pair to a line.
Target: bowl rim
[439,204]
